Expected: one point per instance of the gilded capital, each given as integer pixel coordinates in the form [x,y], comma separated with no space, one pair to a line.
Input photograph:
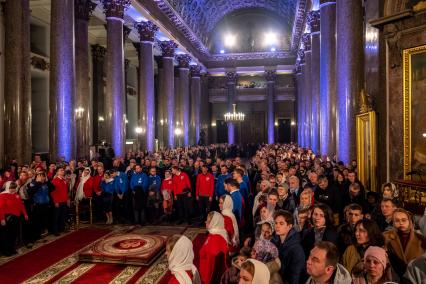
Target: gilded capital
[83,9]
[98,52]
[195,71]
[184,60]
[115,8]
[146,30]
[168,48]
[314,21]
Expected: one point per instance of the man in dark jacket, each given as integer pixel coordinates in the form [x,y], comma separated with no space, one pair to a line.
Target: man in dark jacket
[328,194]
[287,240]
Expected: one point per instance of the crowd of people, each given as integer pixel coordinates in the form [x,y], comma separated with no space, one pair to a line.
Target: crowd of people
[274,213]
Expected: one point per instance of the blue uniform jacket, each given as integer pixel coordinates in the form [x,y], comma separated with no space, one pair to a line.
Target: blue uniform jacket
[139,180]
[121,183]
[154,183]
[220,187]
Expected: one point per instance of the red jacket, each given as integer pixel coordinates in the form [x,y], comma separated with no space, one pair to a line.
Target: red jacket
[205,185]
[88,187]
[167,184]
[60,193]
[213,259]
[11,204]
[97,179]
[180,182]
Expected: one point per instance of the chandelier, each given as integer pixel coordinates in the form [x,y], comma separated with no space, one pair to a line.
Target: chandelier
[234,116]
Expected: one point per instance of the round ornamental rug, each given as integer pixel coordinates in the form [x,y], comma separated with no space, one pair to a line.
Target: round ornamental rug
[125,248]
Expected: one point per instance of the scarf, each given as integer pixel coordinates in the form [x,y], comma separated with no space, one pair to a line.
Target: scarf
[7,187]
[181,259]
[217,226]
[79,195]
[228,206]
[261,272]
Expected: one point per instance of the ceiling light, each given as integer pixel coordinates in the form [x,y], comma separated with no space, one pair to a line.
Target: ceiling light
[229,40]
[273,49]
[222,51]
[234,116]
[271,38]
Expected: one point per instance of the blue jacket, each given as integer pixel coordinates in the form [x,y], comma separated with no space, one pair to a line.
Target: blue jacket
[292,258]
[237,199]
[121,183]
[108,187]
[154,183]
[220,187]
[39,192]
[244,190]
[139,180]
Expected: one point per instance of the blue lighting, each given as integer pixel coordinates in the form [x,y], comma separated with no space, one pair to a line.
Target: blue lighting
[273,49]
[222,51]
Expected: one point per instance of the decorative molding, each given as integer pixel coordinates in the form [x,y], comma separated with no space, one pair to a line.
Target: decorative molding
[146,30]
[115,8]
[183,60]
[314,22]
[83,9]
[299,23]
[251,56]
[306,39]
[98,52]
[301,55]
[231,77]
[168,48]
[270,75]
[40,63]
[195,71]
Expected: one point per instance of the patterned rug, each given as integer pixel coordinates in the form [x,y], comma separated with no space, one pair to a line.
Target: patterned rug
[68,268]
[129,249]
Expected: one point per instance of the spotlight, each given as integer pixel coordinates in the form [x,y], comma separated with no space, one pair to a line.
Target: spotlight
[222,51]
[424,135]
[276,123]
[273,49]
[271,38]
[213,124]
[138,130]
[101,118]
[229,40]
[178,131]
[293,123]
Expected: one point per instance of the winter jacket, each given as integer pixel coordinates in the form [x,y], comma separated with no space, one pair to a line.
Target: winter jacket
[340,276]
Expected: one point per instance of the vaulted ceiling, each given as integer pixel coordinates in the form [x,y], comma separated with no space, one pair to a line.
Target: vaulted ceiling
[202,16]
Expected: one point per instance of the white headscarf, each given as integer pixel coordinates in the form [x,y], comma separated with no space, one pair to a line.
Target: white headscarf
[228,206]
[181,259]
[217,226]
[7,187]
[79,195]
[261,272]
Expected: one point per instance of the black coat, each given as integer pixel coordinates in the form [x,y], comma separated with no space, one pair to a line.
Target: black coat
[293,269]
[308,239]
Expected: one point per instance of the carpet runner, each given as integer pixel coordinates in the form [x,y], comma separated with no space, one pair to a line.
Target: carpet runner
[57,262]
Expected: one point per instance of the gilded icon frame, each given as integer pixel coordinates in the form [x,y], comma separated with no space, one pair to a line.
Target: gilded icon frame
[366,141]
[407,106]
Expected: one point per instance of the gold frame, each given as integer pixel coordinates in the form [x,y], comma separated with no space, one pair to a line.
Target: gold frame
[407,104]
[367,178]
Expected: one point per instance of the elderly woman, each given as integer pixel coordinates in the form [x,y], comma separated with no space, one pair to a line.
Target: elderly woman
[376,268]
[214,251]
[180,256]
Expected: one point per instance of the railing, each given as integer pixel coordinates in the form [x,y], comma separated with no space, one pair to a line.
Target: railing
[413,195]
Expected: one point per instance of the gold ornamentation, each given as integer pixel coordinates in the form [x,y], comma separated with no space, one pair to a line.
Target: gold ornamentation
[364,102]
[419,6]
[75,273]
[407,87]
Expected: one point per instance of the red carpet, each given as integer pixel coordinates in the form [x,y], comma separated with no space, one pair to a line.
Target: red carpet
[197,243]
[25,266]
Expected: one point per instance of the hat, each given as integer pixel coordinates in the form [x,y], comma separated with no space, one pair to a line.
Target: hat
[378,253]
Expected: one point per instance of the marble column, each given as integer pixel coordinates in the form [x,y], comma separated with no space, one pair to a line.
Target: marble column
[146,94]
[115,116]
[83,115]
[314,23]
[195,120]
[168,50]
[184,95]
[328,77]
[17,86]
[270,100]
[298,75]
[307,89]
[232,90]
[349,73]
[98,116]
[62,81]
[2,39]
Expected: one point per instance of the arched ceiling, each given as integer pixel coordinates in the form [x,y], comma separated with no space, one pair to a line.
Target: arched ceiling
[202,16]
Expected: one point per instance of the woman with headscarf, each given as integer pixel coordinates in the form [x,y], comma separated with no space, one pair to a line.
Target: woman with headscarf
[266,216]
[84,185]
[254,272]
[214,251]
[226,206]
[376,268]
[11,209]
[180,256]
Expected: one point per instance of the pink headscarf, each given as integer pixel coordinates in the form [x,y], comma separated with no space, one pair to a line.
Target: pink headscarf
[378,253]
